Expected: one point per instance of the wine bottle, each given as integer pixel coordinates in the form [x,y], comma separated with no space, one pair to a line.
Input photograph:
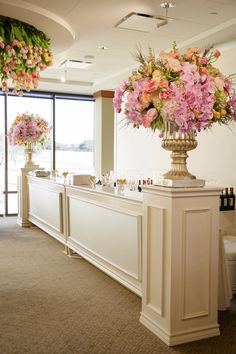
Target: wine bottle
[226,199]
[231,205]
[139,186]
[222,197]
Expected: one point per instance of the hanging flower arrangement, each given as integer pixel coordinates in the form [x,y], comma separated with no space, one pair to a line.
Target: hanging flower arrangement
[24,52]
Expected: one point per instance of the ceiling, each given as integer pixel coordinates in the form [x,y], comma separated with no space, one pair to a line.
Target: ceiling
[78,27]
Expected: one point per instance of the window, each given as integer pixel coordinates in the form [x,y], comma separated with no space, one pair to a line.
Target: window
[2,160]
[72,118]
[43,107]
[74,130]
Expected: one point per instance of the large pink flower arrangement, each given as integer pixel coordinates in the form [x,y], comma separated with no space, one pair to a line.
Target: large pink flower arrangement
[24,53]
[182,88]
[28,128]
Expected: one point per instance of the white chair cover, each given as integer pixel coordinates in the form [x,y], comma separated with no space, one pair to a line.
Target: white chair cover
[225,290]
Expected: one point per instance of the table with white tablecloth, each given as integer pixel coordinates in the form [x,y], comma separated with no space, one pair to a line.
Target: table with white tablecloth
[225,286]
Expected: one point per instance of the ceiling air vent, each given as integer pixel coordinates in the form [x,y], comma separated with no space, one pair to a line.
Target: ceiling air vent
[75,64]
[141,22]
[68,82]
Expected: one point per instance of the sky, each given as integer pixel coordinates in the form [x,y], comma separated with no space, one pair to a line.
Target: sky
[74,119]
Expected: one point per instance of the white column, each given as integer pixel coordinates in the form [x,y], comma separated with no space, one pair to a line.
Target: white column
[180,263]
[23,195]
[104,132]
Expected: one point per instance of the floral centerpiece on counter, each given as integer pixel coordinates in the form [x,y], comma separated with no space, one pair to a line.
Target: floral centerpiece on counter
[185,89]
[29,129]
[24,52]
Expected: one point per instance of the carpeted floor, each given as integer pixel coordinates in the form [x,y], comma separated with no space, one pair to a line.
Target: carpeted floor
[53,304]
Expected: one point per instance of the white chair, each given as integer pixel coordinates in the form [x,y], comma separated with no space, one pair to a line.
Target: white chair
[225,291]
[230,252]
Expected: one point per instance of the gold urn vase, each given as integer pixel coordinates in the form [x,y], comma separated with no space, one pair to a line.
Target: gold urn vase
[179,144]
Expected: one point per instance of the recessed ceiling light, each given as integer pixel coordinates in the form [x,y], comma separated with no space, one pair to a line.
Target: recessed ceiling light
[64,76]
[167,5]
[103,47]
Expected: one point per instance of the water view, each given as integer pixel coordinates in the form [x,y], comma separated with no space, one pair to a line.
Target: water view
[71,161]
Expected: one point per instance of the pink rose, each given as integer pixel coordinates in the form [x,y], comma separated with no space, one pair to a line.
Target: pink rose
[164,94]
[216,53]
[148,86]
[149,117]
[203,70]
[14,42]
[203,60]
[173,64]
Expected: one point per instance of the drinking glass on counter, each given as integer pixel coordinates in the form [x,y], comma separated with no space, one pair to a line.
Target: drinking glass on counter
[93,181]
[121,184]
[53,175]
[65,175]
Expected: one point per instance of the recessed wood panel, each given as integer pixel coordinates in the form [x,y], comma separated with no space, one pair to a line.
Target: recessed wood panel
[113,235]
[155,266]
[196,262]
[46,205]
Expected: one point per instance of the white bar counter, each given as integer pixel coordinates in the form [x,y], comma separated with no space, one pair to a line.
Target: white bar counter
[163,244]
[99,224]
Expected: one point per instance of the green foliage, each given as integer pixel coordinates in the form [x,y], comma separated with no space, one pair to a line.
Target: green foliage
[11,29]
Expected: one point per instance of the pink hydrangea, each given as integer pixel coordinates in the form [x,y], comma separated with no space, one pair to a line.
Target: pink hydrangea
[168,110]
